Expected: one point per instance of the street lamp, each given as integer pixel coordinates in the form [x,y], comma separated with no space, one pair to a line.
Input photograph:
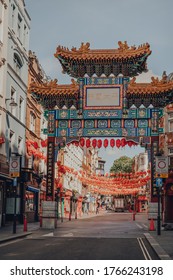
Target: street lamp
[12,103]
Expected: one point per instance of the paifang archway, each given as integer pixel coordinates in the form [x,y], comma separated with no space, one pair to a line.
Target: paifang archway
[104,100]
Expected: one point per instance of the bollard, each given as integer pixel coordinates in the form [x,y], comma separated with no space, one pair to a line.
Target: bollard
[134,213]
[151,227]
[69,216]
[25,223]
[40,220]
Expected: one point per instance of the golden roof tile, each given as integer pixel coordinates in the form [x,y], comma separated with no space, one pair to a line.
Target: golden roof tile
[84,52]
[53,88]
[155,87]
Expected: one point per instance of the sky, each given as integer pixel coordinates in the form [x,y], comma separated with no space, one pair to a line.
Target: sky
[102,23]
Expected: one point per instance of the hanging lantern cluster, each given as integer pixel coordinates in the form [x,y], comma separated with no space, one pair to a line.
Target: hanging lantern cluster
[98,143]
[33,149]
[121,183]
[44,143]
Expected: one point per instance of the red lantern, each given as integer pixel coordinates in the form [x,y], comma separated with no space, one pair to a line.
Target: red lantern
[112,143]
[75,143]
[44,143]
[88,143]
[105,143]
[99,143]
[129,143]
[35,145]
[58,163]
[82,142]
[118,143]
[123,142]
[94,143]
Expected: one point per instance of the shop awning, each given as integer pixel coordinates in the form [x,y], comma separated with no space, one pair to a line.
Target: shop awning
[5,177]
[32,189]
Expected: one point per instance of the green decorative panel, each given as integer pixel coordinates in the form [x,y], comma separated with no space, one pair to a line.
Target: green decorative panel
[89,124]
[63,124]
[102,114]
[75,124]
[102,124]
[142,113]
[142,123]
[129,123]
[46,113]
[45,131]
[115,123]
[102,132]
[132,113]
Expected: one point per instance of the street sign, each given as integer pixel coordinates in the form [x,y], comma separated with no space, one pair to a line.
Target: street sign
[161,165]
[161,175]
[15,166]
[159,182]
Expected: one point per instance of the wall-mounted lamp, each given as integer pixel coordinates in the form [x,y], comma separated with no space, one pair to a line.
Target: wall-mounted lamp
[12,103]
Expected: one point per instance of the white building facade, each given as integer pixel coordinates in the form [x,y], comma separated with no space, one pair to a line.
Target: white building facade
[4,169]
[14,46]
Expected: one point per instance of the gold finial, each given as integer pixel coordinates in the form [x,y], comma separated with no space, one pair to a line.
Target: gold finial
[123,46]
[73,82]
[84,47]
[132,81]
[155,81]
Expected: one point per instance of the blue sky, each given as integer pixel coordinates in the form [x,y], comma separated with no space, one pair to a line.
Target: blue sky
[102,23]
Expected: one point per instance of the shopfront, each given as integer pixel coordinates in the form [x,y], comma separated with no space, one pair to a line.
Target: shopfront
[1,202]
[168,201]
[6,193]
[32,204]
[142,204]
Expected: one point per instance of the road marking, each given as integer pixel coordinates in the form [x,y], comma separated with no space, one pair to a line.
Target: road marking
[70,234]
[145,226]
[144,249]
[48,234]
[138,225]
[10,242]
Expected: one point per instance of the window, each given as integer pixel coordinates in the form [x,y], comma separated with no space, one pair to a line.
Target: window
[13,96]
[1,25]
[19,25]
[171,125]
[32,122]
[24,36]
[17,63]
[21,109]
[171,151]
[142,161]
[13,13]
[11,142]
[170,122]
[171,162]
[20,145]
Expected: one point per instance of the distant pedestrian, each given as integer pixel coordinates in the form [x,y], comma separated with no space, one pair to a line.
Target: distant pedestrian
[97,208]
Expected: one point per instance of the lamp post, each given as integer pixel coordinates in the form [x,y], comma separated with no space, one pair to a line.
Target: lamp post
[15,171]
[15,198]
[158,217]
[159,183]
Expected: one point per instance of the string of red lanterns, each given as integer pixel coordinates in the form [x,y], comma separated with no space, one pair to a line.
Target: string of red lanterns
[98,143]
[121,183]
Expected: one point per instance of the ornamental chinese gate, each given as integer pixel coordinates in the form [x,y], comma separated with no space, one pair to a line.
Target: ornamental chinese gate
[107,103]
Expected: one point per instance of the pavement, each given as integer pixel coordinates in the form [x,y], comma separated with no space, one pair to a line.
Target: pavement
[162,244]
